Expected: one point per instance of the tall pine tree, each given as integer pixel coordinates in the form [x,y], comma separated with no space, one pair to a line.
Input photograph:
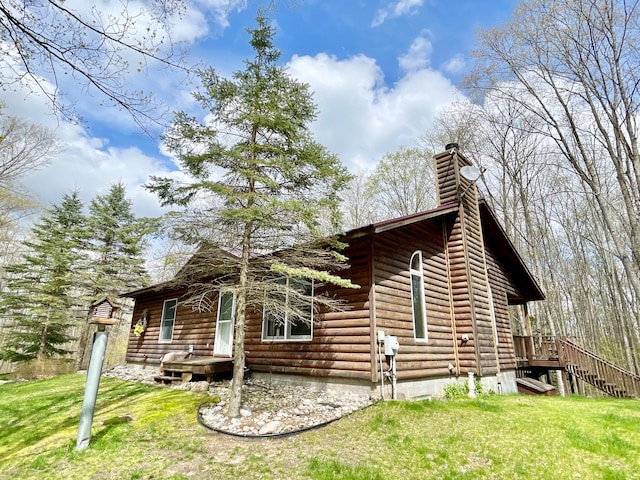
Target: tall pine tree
[260,183]
[117,239]
[42,297]
[116,242]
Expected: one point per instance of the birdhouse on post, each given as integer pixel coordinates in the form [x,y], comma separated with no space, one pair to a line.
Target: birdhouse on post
[101,312]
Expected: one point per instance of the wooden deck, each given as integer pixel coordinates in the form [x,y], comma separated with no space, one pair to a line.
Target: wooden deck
[538,351]
[185,370]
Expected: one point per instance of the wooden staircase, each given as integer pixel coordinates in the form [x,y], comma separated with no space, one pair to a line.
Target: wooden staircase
[541,353]
[600,373]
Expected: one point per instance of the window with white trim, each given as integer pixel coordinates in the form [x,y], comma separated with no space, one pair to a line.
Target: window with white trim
[223,342]
[417,297]
[168,320]
[288,310]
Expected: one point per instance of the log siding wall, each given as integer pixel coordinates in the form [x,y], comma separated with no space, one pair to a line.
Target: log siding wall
[341,344]
[190,328]
[394,314]
[502,288]
[478,282]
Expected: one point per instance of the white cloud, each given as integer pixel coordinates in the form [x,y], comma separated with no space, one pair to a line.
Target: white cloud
[87,163]
[418,56]
[222,9]
[394,10]
[455,65]
[90,166]
[360,118]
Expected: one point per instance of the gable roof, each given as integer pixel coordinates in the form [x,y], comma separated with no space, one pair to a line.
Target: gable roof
[392,223]
[494,236]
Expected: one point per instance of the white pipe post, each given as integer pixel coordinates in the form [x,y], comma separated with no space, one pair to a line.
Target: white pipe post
[381,372]
[91,388]
[472,386]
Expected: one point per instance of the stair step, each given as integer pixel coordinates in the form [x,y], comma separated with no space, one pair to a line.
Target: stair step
[167,379]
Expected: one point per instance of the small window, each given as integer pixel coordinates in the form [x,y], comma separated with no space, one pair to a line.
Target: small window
[289,316]
[417,297]
[168,320]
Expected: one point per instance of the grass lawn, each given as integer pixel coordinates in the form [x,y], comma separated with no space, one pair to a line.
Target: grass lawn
[147,432]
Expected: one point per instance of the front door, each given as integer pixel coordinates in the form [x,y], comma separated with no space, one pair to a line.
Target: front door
[223,344]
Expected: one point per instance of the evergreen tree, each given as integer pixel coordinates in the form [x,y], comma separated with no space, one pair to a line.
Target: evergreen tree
[115,244]
[41,296]
[117,239]
[260,183]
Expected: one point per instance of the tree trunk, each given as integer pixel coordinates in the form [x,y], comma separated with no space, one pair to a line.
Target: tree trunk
[82,356]
[235,399]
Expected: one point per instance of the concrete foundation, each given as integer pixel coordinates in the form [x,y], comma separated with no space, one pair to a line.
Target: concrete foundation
[428,388]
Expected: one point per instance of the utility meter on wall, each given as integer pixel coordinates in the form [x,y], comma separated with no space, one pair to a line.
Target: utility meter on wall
[391,345]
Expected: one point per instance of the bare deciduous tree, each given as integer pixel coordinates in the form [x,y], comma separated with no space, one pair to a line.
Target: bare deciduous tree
[97,48]
[357,204]
[24,147]
[572,66]
[403,183]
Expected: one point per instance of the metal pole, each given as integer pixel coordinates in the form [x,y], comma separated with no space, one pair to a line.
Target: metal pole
[91,387]
[394,378]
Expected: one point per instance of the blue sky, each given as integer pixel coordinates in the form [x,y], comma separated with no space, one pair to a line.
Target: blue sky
[380,71]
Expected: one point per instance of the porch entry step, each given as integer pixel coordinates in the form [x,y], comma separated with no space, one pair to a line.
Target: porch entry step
[168,379]
[531,386]
[180,371]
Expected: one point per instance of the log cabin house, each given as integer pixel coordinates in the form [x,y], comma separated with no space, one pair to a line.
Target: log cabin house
[440,281]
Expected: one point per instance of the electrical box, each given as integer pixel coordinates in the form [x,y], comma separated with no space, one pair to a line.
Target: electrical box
[380,336]
[391,345]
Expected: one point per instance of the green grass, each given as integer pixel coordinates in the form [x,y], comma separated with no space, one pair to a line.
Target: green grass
[146,432]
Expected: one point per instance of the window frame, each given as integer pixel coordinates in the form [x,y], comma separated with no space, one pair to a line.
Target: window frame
[418,275]
[163,320]
[286,326]
[232,321]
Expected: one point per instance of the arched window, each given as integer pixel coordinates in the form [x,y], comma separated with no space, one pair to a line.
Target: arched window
[417,297]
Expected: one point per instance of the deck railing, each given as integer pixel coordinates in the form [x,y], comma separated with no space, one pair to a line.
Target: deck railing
[537,348]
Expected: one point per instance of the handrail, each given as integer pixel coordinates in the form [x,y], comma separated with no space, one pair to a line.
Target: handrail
[584,351]
[599,372]
[536,347]
[588,366]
